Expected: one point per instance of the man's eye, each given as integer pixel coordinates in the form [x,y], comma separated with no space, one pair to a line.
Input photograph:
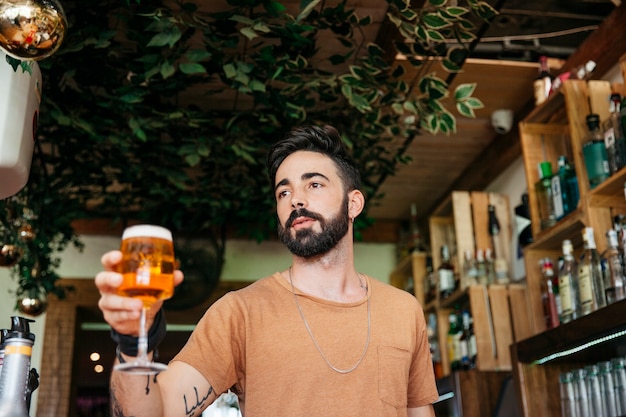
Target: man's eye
[282,193]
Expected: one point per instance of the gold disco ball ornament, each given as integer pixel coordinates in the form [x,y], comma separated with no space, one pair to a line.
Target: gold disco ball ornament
[9,255]
[32,305]
[31,30]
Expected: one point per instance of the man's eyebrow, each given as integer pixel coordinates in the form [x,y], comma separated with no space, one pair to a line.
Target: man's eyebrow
[305,176]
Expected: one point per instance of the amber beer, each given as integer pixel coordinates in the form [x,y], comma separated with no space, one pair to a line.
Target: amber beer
[147,263]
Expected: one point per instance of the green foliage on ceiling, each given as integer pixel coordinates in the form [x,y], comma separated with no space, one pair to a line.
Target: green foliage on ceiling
[162,111]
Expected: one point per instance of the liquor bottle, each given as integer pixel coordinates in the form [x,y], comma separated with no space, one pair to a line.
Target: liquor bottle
[453,339]
[435,351]
[467,342]
[447,282]
[416,244]
[548,296]
[470,268]
[594,153]
[619,376]
[580,389]
[501,269]
[545,197]
[607,388]
[430,281]
[543,83]
[481,267]
[590,279]
[596,403]
[489,266]
[614,275]
[568,285]
[567,185]
[614,139]
[568,397]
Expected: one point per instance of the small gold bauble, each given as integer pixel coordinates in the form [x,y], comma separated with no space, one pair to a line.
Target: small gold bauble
[9,255]
[32,306]
[26,233]
[31,30]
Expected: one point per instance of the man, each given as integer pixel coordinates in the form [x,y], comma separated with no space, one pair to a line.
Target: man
[317,339]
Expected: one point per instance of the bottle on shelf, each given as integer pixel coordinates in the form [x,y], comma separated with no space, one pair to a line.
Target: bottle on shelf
[607,388]
[489,266]
[545,196]
[568,397]
[580,390]
[435,351]
[567,183]
[614,139]
[542,85]
[619,376]
[445,272]
[430,281]
[481,267]
[614,273]
[548,295]
[568,285]
[467,342]
[596,403]
[470,268]
[590,278]
[594,152]
[416,244]
[453,341]
[500,266]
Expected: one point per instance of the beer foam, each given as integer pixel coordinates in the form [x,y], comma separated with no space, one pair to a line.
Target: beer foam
[147,230]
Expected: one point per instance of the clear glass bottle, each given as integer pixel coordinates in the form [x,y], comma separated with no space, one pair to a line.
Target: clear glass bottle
[590,277]
[594,153]
[568,401]
[545,196]
[607,388]
[568,186]
[481,267]
[547,294]
[467,350]
[470,268]
[614,274]
[568,285]
[445,272]
[596,403]
[619,377]
[580,391]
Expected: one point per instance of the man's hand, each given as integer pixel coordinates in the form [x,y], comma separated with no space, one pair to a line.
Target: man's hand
[122,313]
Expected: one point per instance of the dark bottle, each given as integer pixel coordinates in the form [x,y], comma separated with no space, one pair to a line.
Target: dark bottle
[594,153]
[447,281]
[468,343]
[454,342]
[614,139]
[545,195]
[543,83]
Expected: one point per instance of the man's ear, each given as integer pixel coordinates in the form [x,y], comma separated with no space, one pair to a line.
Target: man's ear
[356,203]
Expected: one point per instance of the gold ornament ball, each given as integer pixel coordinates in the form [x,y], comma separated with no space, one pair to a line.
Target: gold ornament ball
[32,306]
[9,255]
[26,233]
[31,30]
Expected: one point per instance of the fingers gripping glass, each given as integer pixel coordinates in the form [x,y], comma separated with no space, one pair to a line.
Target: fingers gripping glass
[147,268]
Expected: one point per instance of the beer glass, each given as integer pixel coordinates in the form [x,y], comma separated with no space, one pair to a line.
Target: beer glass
[147,268]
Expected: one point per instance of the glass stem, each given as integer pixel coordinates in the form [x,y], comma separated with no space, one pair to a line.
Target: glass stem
[142,346]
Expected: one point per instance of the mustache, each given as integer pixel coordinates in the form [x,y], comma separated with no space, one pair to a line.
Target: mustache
[302,212]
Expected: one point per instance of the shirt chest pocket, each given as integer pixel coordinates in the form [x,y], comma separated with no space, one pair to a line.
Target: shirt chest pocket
[393,375]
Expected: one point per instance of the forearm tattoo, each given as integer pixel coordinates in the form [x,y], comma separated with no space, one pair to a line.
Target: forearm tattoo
[196,404]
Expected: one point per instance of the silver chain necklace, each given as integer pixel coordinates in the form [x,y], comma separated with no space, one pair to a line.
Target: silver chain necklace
[308,329]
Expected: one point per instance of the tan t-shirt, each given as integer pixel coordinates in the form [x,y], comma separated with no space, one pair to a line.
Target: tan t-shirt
[254,341]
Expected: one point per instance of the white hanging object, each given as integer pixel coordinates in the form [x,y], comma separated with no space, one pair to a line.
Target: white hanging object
[20,97]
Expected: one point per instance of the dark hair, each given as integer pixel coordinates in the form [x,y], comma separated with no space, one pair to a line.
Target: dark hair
[325,140]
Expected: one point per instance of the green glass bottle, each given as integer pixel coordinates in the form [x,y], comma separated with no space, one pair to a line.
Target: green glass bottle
[545,195]
[594,153]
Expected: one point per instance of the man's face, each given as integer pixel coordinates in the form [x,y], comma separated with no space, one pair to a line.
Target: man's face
[312,205]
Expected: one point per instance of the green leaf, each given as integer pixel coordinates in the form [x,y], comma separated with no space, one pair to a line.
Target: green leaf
[463,91]
[230,71]
[450,66]
[449,121]
[437,2]
[256,85]
[465,110]
[435,21]
[457,10]
[192,68]
[474,103]
[248,32]
[307,10]
[167,70]
[434,35]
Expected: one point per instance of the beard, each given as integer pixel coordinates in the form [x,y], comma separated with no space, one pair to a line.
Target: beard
[308,243]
